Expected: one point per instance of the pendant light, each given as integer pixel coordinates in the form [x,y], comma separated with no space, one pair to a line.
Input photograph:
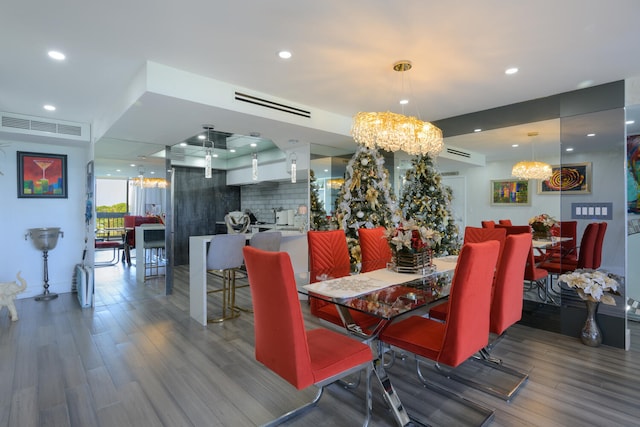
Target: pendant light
[254,166]
[531,169]
[207,155]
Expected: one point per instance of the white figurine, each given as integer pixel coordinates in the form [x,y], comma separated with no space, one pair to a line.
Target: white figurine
[8,292]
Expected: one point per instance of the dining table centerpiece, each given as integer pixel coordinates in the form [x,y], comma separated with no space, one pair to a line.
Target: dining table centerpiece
[541,225]
[411,246]
[593,287]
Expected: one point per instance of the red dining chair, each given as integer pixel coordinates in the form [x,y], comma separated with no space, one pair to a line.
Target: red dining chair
[466,330]
[597,250]
[506,310]
[303,358]
[472,235]
[506,222]
[374,248]
[130,224]
[488,224]
[563,249]
[537,276]
[329,258]
[585,254]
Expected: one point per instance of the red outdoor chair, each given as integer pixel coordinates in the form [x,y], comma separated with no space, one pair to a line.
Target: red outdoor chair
[374,249]
[472,235]
[329,257]
[130,223]
[303,358]
[466,330]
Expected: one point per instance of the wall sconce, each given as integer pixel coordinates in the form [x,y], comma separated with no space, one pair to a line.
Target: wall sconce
[294,169]
[254,166]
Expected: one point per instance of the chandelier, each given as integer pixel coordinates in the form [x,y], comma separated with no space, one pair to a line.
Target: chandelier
[531,169]
[392,132]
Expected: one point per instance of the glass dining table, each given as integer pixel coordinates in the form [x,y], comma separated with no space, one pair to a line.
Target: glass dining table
[386,295]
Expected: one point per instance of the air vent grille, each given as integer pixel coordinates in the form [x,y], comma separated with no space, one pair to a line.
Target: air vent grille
[460,153]
[35,126]
[250,99]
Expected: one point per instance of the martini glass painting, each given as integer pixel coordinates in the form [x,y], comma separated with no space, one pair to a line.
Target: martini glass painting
[42,175]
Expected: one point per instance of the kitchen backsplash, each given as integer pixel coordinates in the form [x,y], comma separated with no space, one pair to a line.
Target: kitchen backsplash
[262,198]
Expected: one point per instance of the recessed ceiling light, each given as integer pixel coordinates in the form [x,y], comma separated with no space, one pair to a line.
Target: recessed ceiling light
[630,122]
[214,155]
[233,150]
[591,134]
[108,174]
[183,144]
[153,173]
[569,149]
[404,101]
[200,136]
[477,130]
[511,70]
[284,54]
[58,56]
[132,165]
[326,170]
[253,144]
[49,107]
[514,145]
[117,170]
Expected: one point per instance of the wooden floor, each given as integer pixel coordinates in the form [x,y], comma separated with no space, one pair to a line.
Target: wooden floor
[137,359]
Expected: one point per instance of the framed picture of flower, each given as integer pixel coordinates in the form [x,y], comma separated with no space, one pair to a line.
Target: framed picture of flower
[42,176]
[574,178]
[510,192]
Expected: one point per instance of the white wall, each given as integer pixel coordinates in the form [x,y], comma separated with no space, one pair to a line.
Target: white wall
[18,215]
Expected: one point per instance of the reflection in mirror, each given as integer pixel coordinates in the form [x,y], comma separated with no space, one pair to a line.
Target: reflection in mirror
[632,120]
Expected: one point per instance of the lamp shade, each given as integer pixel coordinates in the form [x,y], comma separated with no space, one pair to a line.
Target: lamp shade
[531,170]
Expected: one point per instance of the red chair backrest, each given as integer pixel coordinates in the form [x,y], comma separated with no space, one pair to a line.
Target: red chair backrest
[467,324]
[280,336]
[566,248]
[328,254]
[488,224]
[506,304]
[588,245]
[374,248]
[476,235]
[505,222]
[597,251]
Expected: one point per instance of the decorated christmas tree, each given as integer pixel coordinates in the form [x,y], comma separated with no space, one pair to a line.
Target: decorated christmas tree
[427,201]
[365,199]
[317,215]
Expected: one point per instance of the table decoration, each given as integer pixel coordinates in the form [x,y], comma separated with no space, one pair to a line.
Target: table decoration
[593,287]
[541,226]
[411,247]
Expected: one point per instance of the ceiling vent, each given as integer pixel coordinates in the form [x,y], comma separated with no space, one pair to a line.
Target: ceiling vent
[37,126]
[456,152]
[250,99]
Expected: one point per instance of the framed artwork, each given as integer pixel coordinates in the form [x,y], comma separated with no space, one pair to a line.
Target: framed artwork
[510,192]
[572,178]
[42,175]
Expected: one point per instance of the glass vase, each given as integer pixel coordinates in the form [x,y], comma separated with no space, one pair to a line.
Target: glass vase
[591,334]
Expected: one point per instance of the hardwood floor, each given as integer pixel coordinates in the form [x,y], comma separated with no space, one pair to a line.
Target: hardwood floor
[137,359]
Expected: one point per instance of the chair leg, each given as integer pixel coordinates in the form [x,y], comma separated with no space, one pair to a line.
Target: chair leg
[285,417]
[485,412]
[228,298]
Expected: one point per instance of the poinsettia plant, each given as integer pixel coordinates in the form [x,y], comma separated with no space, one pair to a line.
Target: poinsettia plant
[542,222]
[411,236]
[592,285]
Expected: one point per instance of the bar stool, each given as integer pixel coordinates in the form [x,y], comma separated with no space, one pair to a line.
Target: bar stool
[153,243]
[267,241]
[225,257]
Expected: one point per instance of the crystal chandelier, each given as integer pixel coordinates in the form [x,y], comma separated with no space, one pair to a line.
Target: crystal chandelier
[392,132]
[531,169]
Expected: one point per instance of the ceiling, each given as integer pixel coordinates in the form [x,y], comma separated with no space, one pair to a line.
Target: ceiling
[342,63]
